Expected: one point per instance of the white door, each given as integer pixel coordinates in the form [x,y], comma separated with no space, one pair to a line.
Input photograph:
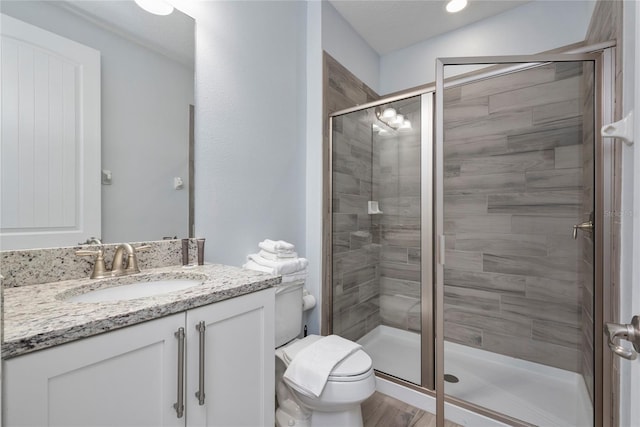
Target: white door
[50,140]
[127,377]
[239,362]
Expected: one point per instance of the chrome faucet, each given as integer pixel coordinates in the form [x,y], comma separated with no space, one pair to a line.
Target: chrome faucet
[120,266]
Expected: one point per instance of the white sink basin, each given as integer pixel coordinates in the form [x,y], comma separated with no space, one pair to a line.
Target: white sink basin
[135,290]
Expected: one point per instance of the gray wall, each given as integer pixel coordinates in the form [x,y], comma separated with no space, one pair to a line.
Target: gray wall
[513,190]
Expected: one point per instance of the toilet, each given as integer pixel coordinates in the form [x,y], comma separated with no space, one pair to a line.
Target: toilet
[350,382]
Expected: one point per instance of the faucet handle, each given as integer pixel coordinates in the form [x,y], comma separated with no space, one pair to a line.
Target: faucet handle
[142,248]
[99,269]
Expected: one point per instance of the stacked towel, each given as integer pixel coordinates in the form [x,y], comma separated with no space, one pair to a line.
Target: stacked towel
[279,258]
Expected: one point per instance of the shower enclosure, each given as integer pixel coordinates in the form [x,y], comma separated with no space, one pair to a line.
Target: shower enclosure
[467,222]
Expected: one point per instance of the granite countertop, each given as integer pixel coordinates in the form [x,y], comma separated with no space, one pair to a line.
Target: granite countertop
[38,317]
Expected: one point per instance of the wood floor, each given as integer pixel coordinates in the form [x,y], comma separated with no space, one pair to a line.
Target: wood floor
[383,411]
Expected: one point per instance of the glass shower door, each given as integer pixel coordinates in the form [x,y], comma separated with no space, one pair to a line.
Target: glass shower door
[515,151]
[377,287]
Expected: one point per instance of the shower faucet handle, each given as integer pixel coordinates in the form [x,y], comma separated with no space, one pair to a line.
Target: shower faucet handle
[629,332]
[585,226]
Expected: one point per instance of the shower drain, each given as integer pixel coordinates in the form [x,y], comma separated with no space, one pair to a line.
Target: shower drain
[451,378]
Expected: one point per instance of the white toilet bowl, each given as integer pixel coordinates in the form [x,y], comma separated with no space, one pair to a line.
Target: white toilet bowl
[350,383]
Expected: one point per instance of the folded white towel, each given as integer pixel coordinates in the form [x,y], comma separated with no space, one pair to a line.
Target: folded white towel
[283,266]
[311,367]
[276,246]
[250,265]
[277,256]
[293,277]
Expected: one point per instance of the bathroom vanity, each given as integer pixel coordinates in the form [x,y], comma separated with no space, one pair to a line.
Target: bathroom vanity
[199,356]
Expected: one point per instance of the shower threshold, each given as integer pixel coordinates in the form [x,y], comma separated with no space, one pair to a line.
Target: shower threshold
[529,391]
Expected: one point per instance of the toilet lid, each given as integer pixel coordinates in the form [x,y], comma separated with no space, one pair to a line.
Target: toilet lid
[355,364]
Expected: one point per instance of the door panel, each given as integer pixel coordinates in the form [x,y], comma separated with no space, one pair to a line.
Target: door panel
[515,169]
[50,144]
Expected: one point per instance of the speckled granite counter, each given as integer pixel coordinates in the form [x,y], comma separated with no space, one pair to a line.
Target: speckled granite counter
[37,316]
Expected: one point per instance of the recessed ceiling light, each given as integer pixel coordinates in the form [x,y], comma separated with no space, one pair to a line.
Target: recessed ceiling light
[456,5]
[157,7]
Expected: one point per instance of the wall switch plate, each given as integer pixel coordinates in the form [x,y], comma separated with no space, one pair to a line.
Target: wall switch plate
[106,177]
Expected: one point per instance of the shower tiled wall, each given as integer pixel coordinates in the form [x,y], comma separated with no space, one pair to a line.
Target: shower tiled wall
[355,266]
[397,187]
[513,190]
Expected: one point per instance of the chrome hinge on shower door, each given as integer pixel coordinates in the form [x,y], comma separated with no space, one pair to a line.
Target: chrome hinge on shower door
[629,332]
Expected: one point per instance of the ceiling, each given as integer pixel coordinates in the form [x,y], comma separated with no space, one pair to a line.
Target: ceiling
[389,25]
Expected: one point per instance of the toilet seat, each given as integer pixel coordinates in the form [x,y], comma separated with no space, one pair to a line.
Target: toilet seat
[354,367]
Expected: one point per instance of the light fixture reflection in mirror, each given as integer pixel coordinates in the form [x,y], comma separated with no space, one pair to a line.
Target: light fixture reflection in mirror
[157,7]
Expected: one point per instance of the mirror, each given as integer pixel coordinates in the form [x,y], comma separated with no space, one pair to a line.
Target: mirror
[146,111]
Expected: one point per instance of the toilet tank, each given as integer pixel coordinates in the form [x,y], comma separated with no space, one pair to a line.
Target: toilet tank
[288,311]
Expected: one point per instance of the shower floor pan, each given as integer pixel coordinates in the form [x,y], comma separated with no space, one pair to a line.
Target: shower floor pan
[531,392]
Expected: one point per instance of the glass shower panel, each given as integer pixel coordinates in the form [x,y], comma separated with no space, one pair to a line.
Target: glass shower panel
[518,285]
[376,265]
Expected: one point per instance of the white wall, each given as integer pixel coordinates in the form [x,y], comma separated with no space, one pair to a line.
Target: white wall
[145,126]
[630,211]
[534,27]
[347,47]
[250,115]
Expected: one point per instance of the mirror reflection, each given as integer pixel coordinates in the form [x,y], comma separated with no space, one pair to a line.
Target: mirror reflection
[144,124]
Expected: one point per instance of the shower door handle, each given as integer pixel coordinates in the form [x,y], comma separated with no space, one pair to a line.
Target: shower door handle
[629,332]
[585,226]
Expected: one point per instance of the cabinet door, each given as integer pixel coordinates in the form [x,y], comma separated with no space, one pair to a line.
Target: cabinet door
[127,377]
[239,368]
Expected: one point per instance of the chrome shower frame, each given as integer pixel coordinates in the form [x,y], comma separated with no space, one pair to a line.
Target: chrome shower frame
[432,243]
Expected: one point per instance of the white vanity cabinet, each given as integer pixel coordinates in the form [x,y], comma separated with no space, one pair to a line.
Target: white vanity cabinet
[129,377]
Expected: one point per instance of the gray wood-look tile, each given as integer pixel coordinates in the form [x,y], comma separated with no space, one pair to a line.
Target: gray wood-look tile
[549,267]
[552,289]
[345,222]
[354,278]
[392,286]
[539,352]
[472,299]
[514,244]
[405,236]
[554,203]
[465,204]
[530,224]
[492,282]
[394,310]
[509,162]
[456,113]
[494,124]
[464,261]
[558,311]
[400,271]
[414,255]
[562,245]
[491,322]
[560,133]
[542,94]
[496,223]
[509,82]
[485,184]
[480,145]
[346,184]
[463,334]
[349,203]
[559,179]
[394,254]
[557,333]
[557,111]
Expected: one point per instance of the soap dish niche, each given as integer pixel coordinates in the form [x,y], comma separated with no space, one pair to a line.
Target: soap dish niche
[373,207]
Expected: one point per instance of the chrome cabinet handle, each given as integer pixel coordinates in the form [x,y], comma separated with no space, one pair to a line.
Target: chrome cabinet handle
[179,405]
[200,393]
[585,226]
[629,332]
